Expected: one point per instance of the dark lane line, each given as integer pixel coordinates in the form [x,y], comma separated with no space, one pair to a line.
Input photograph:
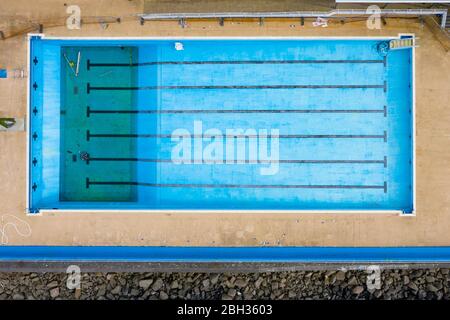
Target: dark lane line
[90,88]
[90,111]
[90,135]
[234,62]
[233,186]
[293,161]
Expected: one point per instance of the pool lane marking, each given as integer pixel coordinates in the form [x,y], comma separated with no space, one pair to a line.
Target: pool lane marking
[90,111]
[90,135]
[233,186]
[233,62]
[238,87]
[296,161]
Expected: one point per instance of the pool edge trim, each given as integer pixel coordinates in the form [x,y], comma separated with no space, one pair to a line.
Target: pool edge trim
[46,37]
[28,128]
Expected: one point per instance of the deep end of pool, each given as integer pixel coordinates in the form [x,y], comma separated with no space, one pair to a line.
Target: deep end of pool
[288,124]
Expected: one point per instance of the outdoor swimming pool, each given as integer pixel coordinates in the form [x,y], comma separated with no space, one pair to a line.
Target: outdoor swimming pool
[229,124]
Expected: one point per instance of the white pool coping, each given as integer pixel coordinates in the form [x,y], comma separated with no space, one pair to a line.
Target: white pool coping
[413,110]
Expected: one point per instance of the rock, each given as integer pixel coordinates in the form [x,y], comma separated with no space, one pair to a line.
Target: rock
[438,285]
[163,295]
[54,293]
[340,276]
[258,282]
[274,285]
[422,294]
[404,284]
[430,279]
[413,286]
[101,291]
[174,284]
[158,284]
[230,282]
[122,281]
[206,283]
[378,293]
[134,292]
[432,288]
[358,290]
[18,296]
[145,284]
[231,292]
[353,281]
[214,278]
[240,283]
[52,284]
[116,290]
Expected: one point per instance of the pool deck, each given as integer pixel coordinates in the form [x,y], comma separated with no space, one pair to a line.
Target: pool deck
[429,227]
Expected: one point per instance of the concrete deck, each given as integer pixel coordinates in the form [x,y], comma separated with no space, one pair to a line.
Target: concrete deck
[428,228]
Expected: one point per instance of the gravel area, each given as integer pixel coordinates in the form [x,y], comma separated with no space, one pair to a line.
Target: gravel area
[394,284]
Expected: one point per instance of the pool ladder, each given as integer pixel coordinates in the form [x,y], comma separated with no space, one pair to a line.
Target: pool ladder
[402,43]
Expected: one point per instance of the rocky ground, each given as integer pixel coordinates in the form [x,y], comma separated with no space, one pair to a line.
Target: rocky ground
[394,284]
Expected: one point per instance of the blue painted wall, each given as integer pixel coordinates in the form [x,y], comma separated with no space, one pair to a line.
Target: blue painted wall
[228,254]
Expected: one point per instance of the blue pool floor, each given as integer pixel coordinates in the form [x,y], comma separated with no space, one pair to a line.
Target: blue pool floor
[341,109]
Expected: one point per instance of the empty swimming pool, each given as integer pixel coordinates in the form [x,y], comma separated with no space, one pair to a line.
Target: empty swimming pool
[220,124]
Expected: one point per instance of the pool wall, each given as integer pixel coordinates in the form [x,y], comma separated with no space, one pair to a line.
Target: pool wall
[51,142]
[328,255]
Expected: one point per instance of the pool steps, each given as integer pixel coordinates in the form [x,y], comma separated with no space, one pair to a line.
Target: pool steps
[402,43]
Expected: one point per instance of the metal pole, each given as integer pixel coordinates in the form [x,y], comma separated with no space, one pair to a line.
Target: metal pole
[443,20]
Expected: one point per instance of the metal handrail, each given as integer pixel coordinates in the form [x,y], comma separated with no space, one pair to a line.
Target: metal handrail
[295,14]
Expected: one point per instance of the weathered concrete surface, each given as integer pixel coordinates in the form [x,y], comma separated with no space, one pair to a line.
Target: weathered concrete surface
[235,5]
[429,227]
